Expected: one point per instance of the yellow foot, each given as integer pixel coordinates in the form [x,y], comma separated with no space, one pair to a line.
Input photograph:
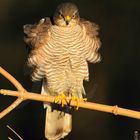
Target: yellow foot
[78,100]
[61,99]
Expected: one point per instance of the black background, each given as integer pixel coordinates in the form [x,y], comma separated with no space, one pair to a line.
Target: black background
[115,81]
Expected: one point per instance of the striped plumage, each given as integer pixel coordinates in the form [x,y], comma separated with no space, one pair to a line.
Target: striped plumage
[63,59]
[59,56]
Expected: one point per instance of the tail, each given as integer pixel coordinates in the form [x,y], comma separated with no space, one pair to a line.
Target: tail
[58,124]
[58,121]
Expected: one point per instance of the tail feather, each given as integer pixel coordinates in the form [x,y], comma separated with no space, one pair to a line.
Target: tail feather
[58,124]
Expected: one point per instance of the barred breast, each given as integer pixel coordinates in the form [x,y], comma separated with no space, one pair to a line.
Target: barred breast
[62,61]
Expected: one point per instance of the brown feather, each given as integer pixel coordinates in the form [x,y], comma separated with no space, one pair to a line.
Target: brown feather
[91,27]
[36,33]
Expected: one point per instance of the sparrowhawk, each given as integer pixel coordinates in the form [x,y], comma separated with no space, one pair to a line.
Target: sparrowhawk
[61,48]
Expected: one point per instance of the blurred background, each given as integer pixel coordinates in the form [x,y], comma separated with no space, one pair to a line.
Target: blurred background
[114,81]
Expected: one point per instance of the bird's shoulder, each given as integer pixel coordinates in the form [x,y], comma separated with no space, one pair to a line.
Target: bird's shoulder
[91,28]
[34,33]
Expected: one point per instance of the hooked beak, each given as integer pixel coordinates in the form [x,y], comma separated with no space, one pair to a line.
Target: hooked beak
[67,19]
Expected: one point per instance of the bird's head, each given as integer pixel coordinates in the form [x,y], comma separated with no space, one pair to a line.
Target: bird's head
[66,15]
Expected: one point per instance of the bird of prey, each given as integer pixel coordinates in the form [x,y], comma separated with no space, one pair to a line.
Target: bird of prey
[60,49]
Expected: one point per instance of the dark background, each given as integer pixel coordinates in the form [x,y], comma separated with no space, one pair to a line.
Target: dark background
[115,81]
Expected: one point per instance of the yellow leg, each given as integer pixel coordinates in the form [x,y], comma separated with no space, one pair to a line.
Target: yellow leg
[61,99]
[78,100]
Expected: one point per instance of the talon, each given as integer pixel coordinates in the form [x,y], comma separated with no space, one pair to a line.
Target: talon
[61,99]
[78,100]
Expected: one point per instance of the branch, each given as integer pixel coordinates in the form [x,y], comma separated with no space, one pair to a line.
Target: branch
[24,95]
[18,86]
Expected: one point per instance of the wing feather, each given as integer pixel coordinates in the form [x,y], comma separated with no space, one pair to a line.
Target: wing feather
[92,29]
[36,36]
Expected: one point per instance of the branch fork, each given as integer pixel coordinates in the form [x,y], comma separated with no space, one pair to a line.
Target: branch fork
[23,95]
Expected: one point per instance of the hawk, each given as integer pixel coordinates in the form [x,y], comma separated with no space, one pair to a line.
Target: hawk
[60,49]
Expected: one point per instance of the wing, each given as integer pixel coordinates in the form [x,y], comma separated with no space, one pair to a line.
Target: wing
[36,36]
[91,30]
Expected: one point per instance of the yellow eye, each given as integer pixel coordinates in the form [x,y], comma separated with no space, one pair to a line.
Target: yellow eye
[73,16]
[60,15]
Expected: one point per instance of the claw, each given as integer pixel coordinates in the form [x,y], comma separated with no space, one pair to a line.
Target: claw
[61,99]
[78,100]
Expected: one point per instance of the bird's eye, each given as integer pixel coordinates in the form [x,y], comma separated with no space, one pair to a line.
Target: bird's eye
[73,16]
[60,14]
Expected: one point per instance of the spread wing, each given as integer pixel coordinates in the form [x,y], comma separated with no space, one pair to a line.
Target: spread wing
[91,30]
[36,36]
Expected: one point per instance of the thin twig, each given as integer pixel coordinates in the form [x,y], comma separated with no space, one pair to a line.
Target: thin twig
[11,79]
[10,138]
[18,86]
[14,133]
[24,95]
